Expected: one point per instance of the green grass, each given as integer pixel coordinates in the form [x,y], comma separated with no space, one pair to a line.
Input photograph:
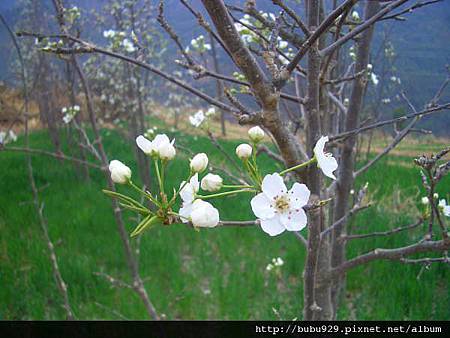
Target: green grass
[210,274]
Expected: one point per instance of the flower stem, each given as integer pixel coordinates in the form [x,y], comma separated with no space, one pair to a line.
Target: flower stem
[158,174]
[237,186]
[226,193]
[146,194]
[299,166]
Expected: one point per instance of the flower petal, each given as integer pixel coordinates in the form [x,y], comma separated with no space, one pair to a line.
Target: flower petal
[261,206]
[299,195]
[273,185]
[185,212]
[194,182]
[294,220]
[328,166]
[160,139]
[144,144]
[272,226]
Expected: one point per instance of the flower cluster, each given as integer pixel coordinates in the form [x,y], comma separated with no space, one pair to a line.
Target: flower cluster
[119,39]
[442,204]
[276,263]
[200,118]
[69,113]
[200,45]
[276,207]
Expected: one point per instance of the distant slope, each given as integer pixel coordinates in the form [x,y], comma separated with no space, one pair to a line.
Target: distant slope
[422,44]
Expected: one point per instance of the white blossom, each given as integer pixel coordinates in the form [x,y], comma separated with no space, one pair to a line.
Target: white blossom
[325,161]
[244,151]
[445,208]
[161,146]
[256,134]
[355,16]
[425,200]
[189,189]
[210,112]
[197,119]
[199,163]
[128,45]
[279,209]
[204,215]
[277,261]
[120,173]
[109,34]
[212,182]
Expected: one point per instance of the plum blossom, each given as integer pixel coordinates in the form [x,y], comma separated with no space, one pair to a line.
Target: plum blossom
[279,209]
[161,146]
[197,119]
[325,161]
[120,173]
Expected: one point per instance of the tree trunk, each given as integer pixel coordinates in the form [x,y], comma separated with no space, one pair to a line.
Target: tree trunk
[347,163]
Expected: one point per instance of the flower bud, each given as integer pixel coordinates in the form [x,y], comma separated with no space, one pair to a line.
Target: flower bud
[256,134]
[436,195]
[244,151]
[212,182]
[204,215]
[120,173]
[425,200]
[199,163]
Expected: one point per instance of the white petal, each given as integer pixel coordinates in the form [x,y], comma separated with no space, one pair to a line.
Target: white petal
[273,185]
[194,182]
[299,195]
[187,192]
[320,145]
[144,144]
[328,166]
[272,226]
[294,220]
[261,206]
[185,212]
[160,139]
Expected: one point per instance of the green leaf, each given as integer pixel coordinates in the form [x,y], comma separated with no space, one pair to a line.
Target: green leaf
[123,198]
[142,211]
[146,223]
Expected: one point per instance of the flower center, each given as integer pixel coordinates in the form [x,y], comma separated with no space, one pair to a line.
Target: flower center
[282,203]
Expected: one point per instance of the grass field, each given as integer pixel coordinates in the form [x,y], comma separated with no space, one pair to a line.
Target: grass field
[210,274]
